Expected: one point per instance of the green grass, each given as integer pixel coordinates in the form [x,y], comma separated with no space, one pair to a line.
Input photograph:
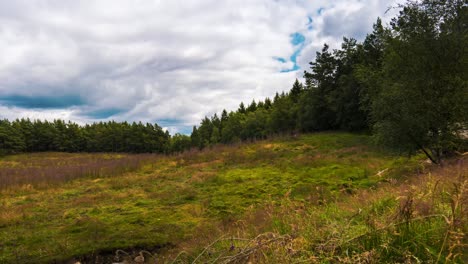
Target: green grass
[169,200]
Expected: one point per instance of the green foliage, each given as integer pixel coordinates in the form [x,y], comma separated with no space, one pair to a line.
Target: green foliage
[10,138]
[296,91]
[35,136]
[321,113]
[180,142]
[421,97]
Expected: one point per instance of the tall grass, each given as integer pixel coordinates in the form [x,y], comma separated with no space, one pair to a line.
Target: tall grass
[418,219]
[45,169]
[324,197]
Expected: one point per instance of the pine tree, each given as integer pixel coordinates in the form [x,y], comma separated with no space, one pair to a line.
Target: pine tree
[296,91]
[241,108]
[252,107]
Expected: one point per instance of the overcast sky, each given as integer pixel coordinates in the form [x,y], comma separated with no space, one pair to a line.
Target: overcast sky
[170,62]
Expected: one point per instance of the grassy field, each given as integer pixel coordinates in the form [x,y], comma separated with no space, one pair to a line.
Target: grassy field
[45,169]
[326,197]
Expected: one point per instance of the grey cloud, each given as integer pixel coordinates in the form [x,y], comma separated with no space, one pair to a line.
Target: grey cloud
[173,61]
[344,18]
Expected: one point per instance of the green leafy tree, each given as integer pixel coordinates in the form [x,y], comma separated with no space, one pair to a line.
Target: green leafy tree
[255,126]
[231,130]
[369,72]
[180,142]
[281,119]
[422,102]
[204,131]
[215,136]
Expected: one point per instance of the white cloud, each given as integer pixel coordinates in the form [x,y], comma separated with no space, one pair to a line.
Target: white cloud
[162,60]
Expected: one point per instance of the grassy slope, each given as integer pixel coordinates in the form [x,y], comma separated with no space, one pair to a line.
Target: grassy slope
[417,219]
[192,198]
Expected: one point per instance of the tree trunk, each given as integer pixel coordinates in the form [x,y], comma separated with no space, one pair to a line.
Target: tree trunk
[423,149]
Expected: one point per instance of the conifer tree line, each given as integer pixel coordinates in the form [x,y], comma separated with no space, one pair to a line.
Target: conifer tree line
[406,83]
[24,135]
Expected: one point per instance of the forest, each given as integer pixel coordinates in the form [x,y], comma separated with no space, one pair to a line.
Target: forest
[406,84]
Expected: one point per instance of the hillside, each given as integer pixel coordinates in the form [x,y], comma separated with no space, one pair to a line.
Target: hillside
[315,197]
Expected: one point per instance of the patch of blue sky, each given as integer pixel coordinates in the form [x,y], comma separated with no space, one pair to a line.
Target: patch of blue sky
[282,60]
[42,102]
[297,38]
[293,59]
[103,113]
[294,68]
[184,130]
[171,123]
[295,54]
[309,23]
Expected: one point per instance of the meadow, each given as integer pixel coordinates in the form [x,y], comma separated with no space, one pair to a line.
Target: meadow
[324,197]
[45,169]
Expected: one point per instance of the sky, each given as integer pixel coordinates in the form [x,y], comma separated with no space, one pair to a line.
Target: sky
[168,62]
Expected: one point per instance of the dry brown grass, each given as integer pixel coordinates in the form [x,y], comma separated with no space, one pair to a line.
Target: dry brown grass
[201,176]
[40,170]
